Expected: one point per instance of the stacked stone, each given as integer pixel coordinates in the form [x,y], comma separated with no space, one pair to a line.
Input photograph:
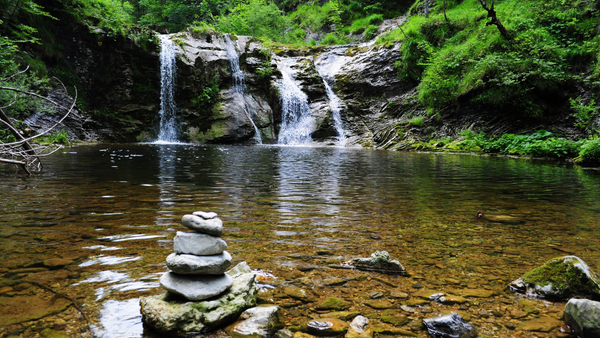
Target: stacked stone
[199,263]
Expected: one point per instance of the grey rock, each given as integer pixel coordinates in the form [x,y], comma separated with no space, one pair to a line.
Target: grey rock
[212,226]
[199,265]
[283,333]
[169,315]
[196,287]
[379,261]
[198,244]
[259,322]
[583,316]
[205,215]
[449,326]
[560,278]
[359,328]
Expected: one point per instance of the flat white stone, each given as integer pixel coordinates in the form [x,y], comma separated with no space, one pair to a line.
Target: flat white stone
[212,226]
[196,287]
[205,215]
[199,265]
[197,244]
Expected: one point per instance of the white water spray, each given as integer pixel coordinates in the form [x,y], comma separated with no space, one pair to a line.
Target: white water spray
[296,125]
[238,81]
[328,65]
[168,117]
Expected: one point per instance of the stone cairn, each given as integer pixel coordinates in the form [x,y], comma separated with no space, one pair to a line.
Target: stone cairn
[199,263]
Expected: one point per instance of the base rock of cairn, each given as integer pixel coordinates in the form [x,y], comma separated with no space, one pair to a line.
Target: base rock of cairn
[200,295]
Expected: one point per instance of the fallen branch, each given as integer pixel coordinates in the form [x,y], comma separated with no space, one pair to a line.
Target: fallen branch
[495,21]
[67,297]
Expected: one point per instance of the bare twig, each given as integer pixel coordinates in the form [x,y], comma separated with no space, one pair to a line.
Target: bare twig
[16,74]
[65,296]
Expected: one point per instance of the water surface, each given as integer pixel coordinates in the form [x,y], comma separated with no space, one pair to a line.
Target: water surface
[109,212]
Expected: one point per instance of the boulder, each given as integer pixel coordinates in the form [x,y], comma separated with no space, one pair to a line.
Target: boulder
[259,322]
[379,261]
[360,328]
[560,278]
[213,226]
[583,316]
[196,287]
[168,314]
[449,326]
[199,265]
[198,244]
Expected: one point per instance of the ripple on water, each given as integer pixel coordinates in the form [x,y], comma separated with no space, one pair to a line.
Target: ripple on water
[120,319]
[107,276]
[109,260]
[128,237]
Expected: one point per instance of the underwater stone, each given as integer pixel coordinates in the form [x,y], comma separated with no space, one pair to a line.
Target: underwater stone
[199,265]
[168,314]
[212,226]
[359,328]
[198,244]
[583,316]
[449,326]
[259,322]
[196,287]
[379,261]
[560,278]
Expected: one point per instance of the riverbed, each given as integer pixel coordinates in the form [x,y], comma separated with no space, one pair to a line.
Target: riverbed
[97,224]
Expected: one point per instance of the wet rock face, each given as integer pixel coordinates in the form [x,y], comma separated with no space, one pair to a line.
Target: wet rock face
[583,316]
[560,278]
[259,322]
[379,261]
[212,111]
[449,326]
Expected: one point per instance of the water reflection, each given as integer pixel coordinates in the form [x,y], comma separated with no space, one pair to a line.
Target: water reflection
[120,319]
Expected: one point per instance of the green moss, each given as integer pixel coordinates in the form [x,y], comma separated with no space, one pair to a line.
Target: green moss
[564,277]
[333,303]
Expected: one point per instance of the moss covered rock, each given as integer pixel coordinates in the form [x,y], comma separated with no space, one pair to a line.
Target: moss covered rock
[583,316]
[560,278]
[333,303]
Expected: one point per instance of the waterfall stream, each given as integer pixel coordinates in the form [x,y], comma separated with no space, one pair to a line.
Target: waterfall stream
[297,117]
[328,65]
[238,82]
[168,117]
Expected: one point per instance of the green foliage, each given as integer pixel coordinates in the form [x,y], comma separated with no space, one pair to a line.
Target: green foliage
[258,18]
[417,121]
[370,32]
[590,151]
[332,39]
[584,113]
[59,137]
[208,96]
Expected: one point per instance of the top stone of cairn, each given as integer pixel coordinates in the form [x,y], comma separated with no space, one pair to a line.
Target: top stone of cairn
[212,226]
[205,215]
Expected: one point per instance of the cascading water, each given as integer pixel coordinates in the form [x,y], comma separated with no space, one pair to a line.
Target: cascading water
[238,81]
[328,65]
[297,121]
[168,118]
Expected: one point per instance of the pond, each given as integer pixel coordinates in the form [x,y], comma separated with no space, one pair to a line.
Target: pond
[97,224]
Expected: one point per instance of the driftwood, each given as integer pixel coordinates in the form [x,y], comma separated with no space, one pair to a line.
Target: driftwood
[494,20]
[21,152]
[67,297]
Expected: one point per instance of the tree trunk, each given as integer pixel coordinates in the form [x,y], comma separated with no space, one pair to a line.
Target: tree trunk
[426,4]
[494,20]
[444,6]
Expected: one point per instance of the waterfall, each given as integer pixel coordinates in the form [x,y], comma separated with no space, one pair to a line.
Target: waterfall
[327,65]
[168,118]
[296,125]
[238,81]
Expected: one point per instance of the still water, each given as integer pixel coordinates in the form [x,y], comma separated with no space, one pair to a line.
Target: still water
[98,223]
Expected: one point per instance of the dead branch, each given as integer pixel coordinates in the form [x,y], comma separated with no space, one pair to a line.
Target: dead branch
[67,297]
[494,20]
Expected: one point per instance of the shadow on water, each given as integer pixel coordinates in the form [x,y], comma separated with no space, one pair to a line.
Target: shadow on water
[98,223]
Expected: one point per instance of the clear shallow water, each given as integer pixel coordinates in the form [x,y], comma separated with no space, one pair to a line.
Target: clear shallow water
[111,212]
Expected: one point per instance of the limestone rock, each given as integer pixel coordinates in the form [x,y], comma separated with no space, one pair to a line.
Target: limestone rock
[196,287]
[199,265]
[333,303]
[198,244]
[284,333]
[360,328]
[259,322]
[379,261]
[583,316]
[213,227]
[560,278]
[298,293]
[173,315]
[205,215]
[325,327]
[449,326]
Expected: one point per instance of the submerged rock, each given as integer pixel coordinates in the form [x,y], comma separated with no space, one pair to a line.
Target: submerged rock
[166,314]
[196,287]
[213,226]
[259,322]
[449,326]
[379,261]
[199,265]
[360,328]
[583,316]
[333,303]
[198,244]
[560,278]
